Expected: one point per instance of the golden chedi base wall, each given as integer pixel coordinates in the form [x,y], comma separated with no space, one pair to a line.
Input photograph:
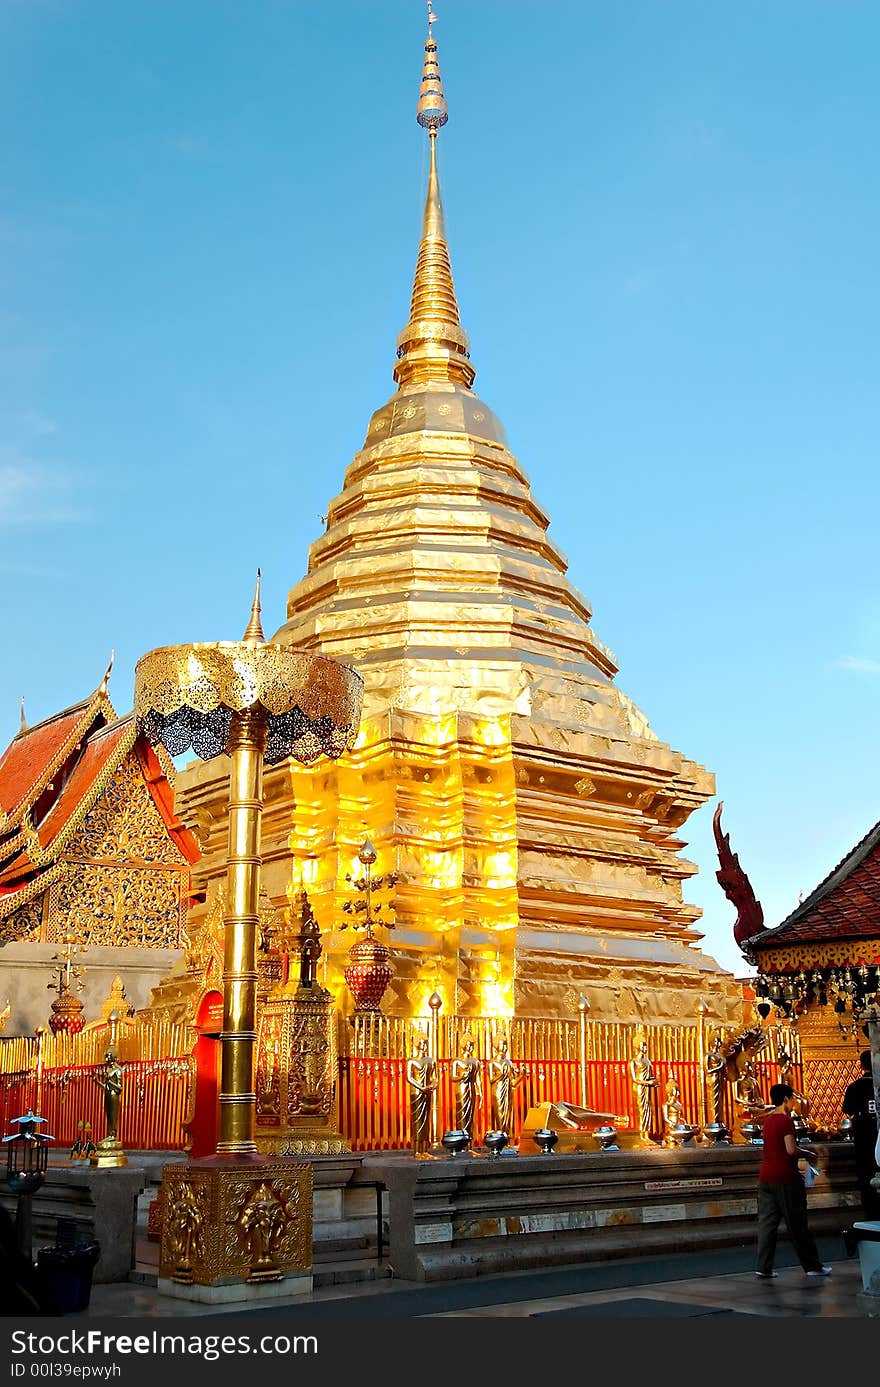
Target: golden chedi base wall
[519,887]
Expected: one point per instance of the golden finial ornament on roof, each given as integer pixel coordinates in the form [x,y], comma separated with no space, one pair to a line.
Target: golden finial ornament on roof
[105,681]
[22,720]
[254,629]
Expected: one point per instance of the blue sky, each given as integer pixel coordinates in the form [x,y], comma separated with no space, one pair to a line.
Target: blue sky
[664,222]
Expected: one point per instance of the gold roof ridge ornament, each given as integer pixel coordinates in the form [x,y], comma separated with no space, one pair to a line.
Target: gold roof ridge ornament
[104,686]
[433,346]
[256,702]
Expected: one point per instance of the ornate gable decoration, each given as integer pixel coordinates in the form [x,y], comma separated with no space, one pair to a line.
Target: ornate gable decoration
[125,823]
[93,846]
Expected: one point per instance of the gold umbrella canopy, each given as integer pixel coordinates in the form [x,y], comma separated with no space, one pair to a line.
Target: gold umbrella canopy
[187,695]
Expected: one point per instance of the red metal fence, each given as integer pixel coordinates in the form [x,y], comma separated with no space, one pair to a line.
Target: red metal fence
[153,1106]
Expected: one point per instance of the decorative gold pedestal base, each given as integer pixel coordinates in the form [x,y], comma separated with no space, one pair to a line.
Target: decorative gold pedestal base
[302,1141]
[227,1223]
[109,1154]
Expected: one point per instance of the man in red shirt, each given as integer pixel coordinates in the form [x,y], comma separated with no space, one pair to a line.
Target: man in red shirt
[781,1193]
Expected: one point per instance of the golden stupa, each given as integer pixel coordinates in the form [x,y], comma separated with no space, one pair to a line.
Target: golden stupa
[531,814]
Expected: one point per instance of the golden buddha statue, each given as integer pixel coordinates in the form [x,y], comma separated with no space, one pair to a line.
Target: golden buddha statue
[715,1065]
[466,1076]
[421,1075]
[644,1082]
[505,1076]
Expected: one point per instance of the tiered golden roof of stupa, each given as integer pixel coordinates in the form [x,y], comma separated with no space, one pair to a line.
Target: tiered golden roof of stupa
[524,800]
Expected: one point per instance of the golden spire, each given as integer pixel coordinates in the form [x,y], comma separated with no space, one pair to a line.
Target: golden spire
[433,346]
[22,722]
[254,631]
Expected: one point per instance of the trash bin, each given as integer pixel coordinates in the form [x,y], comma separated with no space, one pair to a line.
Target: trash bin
[869,1255]
[65,1269]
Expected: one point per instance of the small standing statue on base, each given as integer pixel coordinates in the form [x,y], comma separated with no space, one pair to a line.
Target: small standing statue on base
[644,1081]
[309,940]
[716,1064]
[673,1109]
[109,1150]
[505,1077]
[465,1073]
[421,1075]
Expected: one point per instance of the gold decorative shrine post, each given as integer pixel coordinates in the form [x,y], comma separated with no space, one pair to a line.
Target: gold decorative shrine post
[254,701]
[296,1089]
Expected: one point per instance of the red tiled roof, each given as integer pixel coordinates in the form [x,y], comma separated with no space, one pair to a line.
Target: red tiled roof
[16,872]
[846,905]
[31,753]
[163,798]
[105,749]
[99,751]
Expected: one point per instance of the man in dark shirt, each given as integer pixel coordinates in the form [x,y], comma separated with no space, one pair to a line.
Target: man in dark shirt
[781,1193]
[859,1104]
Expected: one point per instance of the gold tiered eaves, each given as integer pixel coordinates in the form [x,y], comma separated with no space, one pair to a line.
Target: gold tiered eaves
[529,810]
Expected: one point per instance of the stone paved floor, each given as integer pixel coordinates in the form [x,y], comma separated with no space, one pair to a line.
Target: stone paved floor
[683,1286]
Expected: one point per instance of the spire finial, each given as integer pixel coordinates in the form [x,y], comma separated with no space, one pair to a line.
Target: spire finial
[105,682]
[254,631]
[433,346]
[431,111]
[22,723]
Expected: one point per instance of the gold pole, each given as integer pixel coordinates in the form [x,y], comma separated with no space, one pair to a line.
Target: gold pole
[247,742]
[583,1008]
[40,1035]
[435,1002]
[702,1009]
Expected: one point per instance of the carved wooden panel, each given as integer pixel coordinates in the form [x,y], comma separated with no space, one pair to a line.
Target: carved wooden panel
[108,904]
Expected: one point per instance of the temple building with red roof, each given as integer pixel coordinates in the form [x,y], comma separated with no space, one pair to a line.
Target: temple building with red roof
[820,966]
[90,848]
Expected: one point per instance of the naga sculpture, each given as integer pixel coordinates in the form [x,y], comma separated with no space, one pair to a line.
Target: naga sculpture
[736,887]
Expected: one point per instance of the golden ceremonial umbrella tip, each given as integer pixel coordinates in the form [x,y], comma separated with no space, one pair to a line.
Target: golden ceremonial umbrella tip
[367,853]
[254,628]
[435,1001]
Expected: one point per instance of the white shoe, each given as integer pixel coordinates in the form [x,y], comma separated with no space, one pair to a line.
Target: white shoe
[822,1271]
[766,1275]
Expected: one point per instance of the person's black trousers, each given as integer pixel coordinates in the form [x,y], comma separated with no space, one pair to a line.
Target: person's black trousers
[789,1203]
[865,1172]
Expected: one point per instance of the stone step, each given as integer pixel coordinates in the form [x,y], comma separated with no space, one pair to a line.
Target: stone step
[324,1273]
[484,1256]
[350,1273]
